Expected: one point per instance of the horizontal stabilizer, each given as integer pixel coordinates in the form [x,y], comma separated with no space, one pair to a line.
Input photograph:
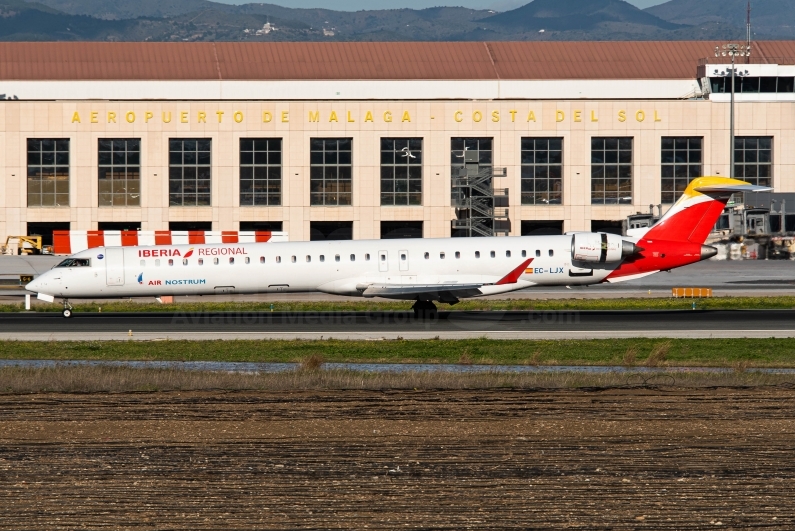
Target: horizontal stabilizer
[732,188]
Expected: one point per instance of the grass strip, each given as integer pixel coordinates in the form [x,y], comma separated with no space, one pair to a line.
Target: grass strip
[651,303]
[18,380]
[736,353]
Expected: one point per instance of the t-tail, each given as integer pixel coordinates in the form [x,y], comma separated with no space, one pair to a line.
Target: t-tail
[694,215]
[678,238]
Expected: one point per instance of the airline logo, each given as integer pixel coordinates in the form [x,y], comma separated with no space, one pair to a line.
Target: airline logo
[203,251]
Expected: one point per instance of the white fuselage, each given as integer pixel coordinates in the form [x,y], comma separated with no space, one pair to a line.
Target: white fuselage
[338,267]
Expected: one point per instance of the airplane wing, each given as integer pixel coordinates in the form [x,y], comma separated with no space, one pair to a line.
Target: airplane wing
[443,292]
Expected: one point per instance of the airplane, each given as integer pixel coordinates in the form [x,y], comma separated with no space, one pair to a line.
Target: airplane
[426,271]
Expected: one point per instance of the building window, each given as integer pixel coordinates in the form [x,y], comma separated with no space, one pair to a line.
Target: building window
[401,171]
[119,171]
[331,171]
[542,171]
[189,171]
[611,171]
[681,163]
[753,159]
[260,171]
[48,172]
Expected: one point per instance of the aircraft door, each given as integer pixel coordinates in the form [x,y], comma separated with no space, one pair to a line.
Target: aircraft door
[404,260]
[383,261]
[114,266]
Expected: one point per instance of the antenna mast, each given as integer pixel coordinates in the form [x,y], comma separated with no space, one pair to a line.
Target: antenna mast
[748,30]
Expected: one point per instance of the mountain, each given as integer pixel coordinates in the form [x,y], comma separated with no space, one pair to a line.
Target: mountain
[563,15]
[768,17]
[206,20]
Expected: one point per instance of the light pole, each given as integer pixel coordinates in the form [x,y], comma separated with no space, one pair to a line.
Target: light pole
[732,50]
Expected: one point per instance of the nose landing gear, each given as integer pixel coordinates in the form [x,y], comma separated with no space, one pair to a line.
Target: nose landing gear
[67,309]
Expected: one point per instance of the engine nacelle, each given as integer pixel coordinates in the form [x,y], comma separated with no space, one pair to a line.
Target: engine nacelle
[600,247]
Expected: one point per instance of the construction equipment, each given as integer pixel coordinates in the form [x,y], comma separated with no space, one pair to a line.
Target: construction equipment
[25,245]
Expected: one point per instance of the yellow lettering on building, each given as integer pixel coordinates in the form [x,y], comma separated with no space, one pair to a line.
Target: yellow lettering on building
[266,117]
[368,117]
[458,116]
[531,116]
[94,117]
[333,117]
[314,116]
[130,117]
[495,116]
[578,116]
[593,116]
[350,118]
[148,115]
[166,120]
[111,117]
[183,117]
[406,117]
[76,117]
[513,115]
[560,116]
[622,116]
[388,116]
[285,117]
[657,118]
[202,117]
[477,116]
[238,116]
[640,116]
[220,115]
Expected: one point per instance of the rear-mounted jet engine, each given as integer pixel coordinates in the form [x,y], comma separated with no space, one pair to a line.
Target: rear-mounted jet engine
[600,247]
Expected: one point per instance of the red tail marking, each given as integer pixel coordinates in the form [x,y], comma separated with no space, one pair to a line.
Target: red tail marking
[514,275]
[692,224]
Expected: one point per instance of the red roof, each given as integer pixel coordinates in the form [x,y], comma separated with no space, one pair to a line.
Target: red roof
[371,60]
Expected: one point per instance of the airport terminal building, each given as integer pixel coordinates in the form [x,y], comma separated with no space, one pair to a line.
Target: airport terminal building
[376,140]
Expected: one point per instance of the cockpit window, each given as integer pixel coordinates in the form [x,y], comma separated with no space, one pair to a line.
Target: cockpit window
[75,262]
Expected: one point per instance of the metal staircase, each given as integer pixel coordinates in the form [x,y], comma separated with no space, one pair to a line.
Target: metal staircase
[481,209]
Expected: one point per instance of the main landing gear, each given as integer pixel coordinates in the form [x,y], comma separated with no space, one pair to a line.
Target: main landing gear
[424,309]
[67,309]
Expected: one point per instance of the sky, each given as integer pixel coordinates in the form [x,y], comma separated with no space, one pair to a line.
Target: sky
[355,5]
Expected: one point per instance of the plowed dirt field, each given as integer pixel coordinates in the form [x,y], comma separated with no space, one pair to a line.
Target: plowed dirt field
[493,459]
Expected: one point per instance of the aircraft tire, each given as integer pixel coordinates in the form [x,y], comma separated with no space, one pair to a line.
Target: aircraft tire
[67,313]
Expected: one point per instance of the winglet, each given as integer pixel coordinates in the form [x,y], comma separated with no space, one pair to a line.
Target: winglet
[514,275]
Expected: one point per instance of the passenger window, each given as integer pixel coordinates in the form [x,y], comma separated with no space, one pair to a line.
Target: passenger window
[427,255]
[524,254]
[477,254]
[157,263]
[551,252]
[353,258]
[201,261]
[493,254]
[231,259]
[322,258]
[538,253]
[441,255]
[261,259]
[171,261]
[367,257]
[336,258]
[308,258]
[248,260]
[457,254]
[507,254]
[383,258]
[215,261]
[292,259]
[278,259]
[143,263]
[184,261]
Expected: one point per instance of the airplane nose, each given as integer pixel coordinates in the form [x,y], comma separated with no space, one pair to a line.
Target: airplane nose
[33,285]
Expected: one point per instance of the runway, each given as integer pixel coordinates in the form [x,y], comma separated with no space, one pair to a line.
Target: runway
[393,325]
